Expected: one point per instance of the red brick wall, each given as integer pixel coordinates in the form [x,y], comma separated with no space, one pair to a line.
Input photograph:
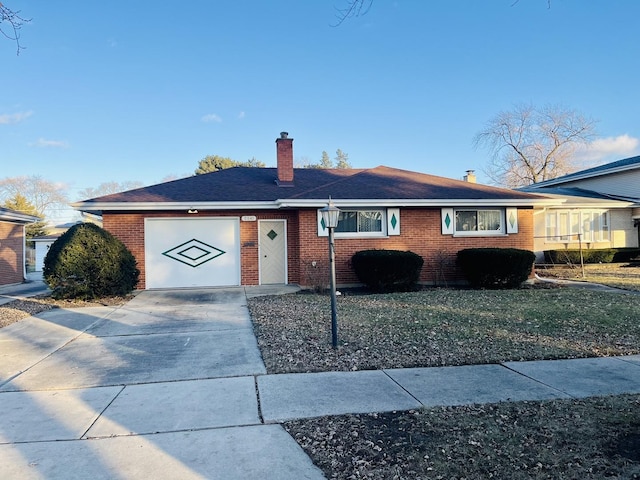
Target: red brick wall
[420,232]
[129,228]
[11,253]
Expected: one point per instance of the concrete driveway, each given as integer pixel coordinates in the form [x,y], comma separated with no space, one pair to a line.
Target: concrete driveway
[162,387]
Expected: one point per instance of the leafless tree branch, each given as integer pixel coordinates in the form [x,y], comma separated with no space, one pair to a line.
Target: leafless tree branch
[530,145]
[353,8]
[10,24]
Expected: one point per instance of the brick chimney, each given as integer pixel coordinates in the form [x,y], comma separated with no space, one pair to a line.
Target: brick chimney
[470,176]
[284,150]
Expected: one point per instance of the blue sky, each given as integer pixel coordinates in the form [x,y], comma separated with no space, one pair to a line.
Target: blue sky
[142,90]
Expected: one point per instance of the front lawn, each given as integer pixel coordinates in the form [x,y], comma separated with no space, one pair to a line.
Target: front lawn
[577,439]
[440,327]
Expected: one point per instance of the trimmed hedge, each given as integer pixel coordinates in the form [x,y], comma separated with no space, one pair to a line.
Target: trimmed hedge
[388,270]
[495,267]
[88,262]
[600,255]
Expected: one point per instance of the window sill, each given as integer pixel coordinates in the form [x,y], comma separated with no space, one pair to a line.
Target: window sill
[480,234]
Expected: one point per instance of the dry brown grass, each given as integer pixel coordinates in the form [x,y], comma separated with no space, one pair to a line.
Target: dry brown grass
[618,275]
[563,439]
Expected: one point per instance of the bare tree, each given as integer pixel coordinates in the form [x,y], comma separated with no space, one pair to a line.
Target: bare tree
[45,196]
[356,8]
[352,8]
[11,23]
[530,145]
[108,188]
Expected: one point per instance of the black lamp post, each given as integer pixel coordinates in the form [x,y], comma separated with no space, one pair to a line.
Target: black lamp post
[330,215]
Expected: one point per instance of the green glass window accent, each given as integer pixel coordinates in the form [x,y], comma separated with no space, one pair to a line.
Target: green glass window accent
[323,225]
[512,219]
[447,220]
[272,234]
[394,221]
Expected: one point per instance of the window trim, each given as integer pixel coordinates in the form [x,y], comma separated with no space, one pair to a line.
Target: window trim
[481,233]
[383,224]
[598,235]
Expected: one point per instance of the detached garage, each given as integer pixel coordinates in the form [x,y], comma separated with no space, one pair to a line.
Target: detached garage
[192,252]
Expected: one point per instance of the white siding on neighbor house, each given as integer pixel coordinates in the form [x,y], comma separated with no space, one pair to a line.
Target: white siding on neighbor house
[622,233]
[42,248]
[625,184]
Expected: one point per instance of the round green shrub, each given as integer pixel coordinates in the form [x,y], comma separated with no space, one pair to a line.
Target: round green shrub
[495,267]
[388,270]
[88,262]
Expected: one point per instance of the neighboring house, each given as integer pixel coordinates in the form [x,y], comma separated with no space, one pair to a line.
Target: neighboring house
[598,208]
[42,245]
[251,226]
[12,245]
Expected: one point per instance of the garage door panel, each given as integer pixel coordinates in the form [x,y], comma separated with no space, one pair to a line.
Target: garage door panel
[187,252]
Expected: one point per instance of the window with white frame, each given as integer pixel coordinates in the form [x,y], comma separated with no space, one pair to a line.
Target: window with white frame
[568,226]
[361,223]
[480,221]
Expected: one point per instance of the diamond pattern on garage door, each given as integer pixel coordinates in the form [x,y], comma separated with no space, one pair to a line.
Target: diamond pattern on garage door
[193,253]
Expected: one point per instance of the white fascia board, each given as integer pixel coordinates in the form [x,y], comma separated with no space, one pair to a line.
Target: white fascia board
[152,206]
[435,203]
[568,201]
[16,217]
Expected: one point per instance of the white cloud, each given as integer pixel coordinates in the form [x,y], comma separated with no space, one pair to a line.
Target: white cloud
[241,115]
[44,143]
[211,117]
[604,148]
[9,118]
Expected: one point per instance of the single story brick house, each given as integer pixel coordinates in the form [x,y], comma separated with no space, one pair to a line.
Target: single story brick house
[12,245]
[256,226]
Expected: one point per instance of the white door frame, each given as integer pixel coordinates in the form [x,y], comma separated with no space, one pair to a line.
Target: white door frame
[286,249]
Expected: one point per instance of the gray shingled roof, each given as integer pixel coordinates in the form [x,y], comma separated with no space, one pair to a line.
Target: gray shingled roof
[624,164]
[246,184]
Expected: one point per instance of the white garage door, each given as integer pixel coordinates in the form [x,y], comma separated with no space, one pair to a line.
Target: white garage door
[192,252]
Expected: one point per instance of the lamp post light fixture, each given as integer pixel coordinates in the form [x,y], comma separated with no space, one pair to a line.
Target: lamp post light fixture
[330,215]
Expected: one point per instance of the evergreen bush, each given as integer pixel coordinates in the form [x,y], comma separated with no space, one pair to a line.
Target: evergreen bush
[495,267]
[88,262]
[564,256]
[388,270]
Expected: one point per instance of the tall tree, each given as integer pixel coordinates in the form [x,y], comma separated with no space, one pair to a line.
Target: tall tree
[530,145]
[325,161]
[213,163]
[19,203]
[44,195]
[342,159]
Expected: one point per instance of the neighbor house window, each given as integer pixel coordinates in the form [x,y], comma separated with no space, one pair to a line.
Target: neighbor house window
[479,222]
[568,226]
[361,222]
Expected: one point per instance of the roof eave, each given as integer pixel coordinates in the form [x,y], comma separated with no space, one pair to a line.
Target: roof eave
[16,217]
[435,202]
[101,207]
[93,207]
[582,176]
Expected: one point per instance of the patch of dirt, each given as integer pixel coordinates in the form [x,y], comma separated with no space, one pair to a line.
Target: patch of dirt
[18,309]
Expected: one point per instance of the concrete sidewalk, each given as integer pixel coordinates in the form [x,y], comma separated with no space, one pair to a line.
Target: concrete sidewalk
[172,385]
[34,285]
